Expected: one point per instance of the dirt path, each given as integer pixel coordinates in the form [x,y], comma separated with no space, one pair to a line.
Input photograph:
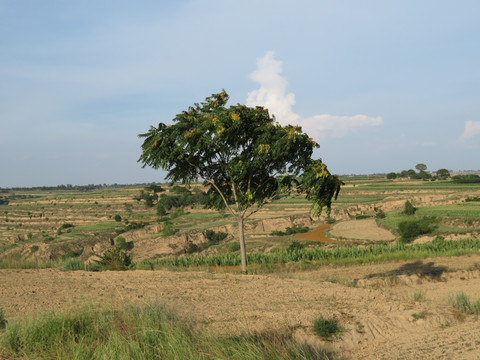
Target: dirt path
[374,303]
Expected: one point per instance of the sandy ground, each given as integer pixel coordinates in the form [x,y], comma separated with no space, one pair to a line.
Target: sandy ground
[360,230]
[374,303]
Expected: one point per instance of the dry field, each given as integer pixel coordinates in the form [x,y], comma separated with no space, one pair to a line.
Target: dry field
[375,304]
[400,309]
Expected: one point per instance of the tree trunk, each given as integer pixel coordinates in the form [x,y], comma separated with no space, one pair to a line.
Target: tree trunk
[243,248]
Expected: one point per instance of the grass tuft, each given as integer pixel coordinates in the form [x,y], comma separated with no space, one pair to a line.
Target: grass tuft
[149,332]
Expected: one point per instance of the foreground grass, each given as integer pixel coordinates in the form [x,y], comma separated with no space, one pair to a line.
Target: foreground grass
[149,332]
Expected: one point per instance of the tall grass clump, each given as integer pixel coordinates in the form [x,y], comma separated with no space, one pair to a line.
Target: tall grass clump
[462,302]
[149,332]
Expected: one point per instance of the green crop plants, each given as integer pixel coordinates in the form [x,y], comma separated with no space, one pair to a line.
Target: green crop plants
[151,331]
[338,255]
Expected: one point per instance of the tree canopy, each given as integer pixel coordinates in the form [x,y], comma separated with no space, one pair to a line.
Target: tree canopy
[243,156]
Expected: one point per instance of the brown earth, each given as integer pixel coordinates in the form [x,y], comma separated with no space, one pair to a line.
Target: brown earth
[360,230]
[374,303]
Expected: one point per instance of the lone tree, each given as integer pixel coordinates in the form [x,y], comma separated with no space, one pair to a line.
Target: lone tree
[243,156]
[443,174]
[421,167]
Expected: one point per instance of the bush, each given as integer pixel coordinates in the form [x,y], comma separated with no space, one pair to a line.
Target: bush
[215,237]
[117,218]
[409,209]
[3,321]
[325,328]
[72,265]
[233,246]
[191,248]
[121,243]
[410,229]
[295,245]
[116,259]
[466,179]
[380,214]
[291,231]
[168,229]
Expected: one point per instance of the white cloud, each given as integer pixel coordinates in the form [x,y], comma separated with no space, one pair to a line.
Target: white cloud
[273,95]
[472,129]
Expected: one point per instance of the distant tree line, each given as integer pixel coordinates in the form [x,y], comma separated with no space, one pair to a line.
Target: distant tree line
[179,198]
[88,187]
[422,174]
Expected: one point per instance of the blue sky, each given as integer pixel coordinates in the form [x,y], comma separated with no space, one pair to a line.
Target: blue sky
[381,85]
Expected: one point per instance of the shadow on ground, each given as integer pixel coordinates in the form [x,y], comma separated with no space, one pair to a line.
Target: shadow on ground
[419,268]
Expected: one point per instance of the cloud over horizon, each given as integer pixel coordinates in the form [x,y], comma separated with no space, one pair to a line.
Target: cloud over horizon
[273,95]
[472,129]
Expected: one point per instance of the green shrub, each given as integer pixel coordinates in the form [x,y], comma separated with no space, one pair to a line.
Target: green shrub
[466,179]
[117,218]
[325,328]
[215,237]
[291,231]
[361,217]
[34,248]
[3,321]
[233,246]
[168,229]
[295,245]
[410,229]
[72,265]
[121,243]
[409,209]
[191,248]
[380,214]
[116,259]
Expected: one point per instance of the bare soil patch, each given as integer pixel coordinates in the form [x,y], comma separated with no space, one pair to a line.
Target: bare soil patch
[360,230]
[374,303]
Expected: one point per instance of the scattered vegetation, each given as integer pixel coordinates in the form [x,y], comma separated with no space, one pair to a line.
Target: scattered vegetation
[419,296]
[152,331]
[327,329]
[291,231]
[462,302]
